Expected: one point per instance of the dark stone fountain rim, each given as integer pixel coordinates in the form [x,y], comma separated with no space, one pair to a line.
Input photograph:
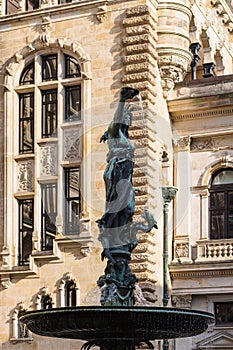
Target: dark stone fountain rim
[114,322]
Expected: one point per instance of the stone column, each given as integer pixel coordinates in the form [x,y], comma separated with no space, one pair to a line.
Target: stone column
[169,193]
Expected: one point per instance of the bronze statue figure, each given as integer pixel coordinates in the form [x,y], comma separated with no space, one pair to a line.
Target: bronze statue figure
[117,232]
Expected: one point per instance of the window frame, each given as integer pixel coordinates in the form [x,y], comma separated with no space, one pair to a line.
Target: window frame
[68,90]
[69,229]
[27,68]
[226,305]
[33,86]
[21,230]
[45,214]
[226,189]
[22,120]
[70,294]
[49,126]
[45,60]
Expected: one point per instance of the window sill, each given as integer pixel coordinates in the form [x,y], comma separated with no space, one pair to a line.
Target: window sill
[47,140]
[71,123]
[24,156]
[21,340]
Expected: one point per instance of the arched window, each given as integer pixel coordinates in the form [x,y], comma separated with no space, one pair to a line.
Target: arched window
[70,293]
[27,76]
[221,204]
[49,98]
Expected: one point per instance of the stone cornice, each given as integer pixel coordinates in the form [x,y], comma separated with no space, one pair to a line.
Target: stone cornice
[204,270]
[198,107]
[57,9]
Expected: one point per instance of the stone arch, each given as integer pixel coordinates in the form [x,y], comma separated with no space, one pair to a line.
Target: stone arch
[19,331]
[15,64]
[63,283]
[222,163]
[43,299]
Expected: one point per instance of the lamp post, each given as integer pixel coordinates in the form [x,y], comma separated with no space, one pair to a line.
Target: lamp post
[168,193]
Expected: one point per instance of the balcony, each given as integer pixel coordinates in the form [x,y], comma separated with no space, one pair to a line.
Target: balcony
[214,250]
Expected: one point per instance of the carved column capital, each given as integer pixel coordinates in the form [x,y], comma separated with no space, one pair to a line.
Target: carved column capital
[182,143]
[172,68]
[169,193]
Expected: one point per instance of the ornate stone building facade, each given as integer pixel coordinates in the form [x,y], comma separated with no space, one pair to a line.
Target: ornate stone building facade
[62,66]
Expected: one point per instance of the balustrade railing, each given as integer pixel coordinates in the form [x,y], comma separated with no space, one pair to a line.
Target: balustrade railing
[215,250]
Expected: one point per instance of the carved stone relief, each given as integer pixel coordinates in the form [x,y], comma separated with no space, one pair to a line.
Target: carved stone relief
[72,145]
[182,301]
[182,144]
[202,144]
[182,250]
[48,160]
[25,176]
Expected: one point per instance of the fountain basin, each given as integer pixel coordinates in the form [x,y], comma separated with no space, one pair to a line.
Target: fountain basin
[120,323]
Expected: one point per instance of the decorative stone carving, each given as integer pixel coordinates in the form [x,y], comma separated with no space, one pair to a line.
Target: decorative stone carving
[6,282]
[85,250]
[46,25]
[48,160]
[172,69]
[169,193]
[5,256]
[101,15]
[72,145]
[182,301]
[26,176]
[182,250]
[182,144]
[202,144]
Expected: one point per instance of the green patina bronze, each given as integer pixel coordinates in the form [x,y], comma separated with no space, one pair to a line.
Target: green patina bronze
[117,230]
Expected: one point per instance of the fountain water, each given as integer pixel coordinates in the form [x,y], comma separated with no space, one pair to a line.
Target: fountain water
[117,324]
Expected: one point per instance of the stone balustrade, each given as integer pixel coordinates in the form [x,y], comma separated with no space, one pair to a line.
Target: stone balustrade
[215,250]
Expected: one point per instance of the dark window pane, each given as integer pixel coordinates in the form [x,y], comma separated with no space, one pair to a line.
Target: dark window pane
[49,68]
[221,205]
[48,215]
[217,200]
[72,200]
[223,312]
[63,1]
[32,5]
[26,228]
[27,77]
[49,113]
[217,224]
[26,123]
[230,224]
[72,68]
[73,103]
[230,199]
[70,293]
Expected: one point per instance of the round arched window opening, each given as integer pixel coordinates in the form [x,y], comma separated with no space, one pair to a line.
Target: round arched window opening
[221,204]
